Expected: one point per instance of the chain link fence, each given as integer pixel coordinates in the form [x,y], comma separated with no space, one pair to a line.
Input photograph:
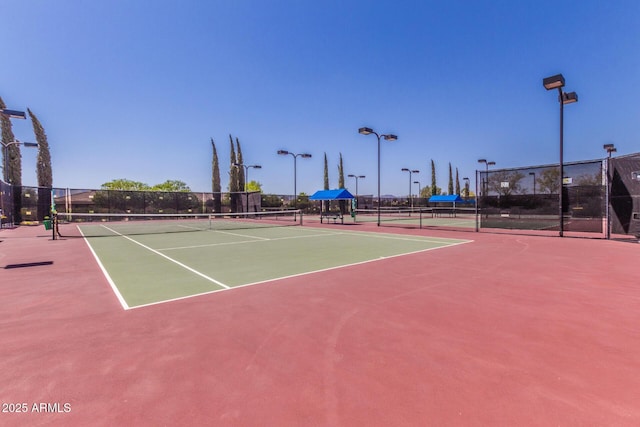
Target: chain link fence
[529,198]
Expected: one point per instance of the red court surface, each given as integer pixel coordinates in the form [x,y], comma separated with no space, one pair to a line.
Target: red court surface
[505,331]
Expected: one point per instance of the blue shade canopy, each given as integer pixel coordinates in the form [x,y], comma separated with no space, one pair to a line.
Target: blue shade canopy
[450,198]
[340,194]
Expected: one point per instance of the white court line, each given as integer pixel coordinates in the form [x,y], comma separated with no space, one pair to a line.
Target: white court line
[186,267]
[114,288]
[247,241]
[238,234]
[328,233]
[394,237]
[306,273]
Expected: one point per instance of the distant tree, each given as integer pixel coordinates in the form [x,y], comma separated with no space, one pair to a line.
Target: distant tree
[594,179]
[326,173]
[341,203]
[425,192]
[254,186]
[548,181]
[457,182]
[506,183]
[271,201]
[233,178]
[125,184]
[450,186]
[216,186]
[171,185]
[233,169]
[435,190]
[215,170]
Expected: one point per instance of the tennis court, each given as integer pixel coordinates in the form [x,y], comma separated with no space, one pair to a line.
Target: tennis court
[148,261]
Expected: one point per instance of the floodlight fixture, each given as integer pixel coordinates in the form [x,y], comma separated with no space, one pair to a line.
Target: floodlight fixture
[553,82]
[569,98]
[14,114]
[610,148]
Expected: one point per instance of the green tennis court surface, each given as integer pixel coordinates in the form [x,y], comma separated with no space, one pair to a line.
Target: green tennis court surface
[151,268]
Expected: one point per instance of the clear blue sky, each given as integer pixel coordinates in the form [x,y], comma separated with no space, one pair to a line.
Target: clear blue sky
[135,89]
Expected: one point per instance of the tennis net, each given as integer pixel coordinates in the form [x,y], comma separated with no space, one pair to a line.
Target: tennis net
[110,224]
[447,217]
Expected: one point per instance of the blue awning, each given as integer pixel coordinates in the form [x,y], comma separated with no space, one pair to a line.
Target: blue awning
[340,194]
[453,198]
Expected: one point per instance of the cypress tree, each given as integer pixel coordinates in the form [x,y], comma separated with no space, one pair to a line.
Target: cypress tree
[43,171]
[434,188]
[12,165]
[233,178]
[457,182]
[450,186]
[13,162]
[326,173]
[216,188]
[241,180]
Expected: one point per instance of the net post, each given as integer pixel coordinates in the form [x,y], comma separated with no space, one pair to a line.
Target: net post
[54,224]
[301,218]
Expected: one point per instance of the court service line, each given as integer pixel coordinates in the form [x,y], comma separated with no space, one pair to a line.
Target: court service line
[209,245]
[239,235]
[220,231]
[186,267]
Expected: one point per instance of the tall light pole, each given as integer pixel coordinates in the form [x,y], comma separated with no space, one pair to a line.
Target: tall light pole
[411,171]
[356,177]
[419,191]
[387,137]
[246,177]
[466,187]
[534,182]
[550,83]
[485,183]
[610,149]
[295,171]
